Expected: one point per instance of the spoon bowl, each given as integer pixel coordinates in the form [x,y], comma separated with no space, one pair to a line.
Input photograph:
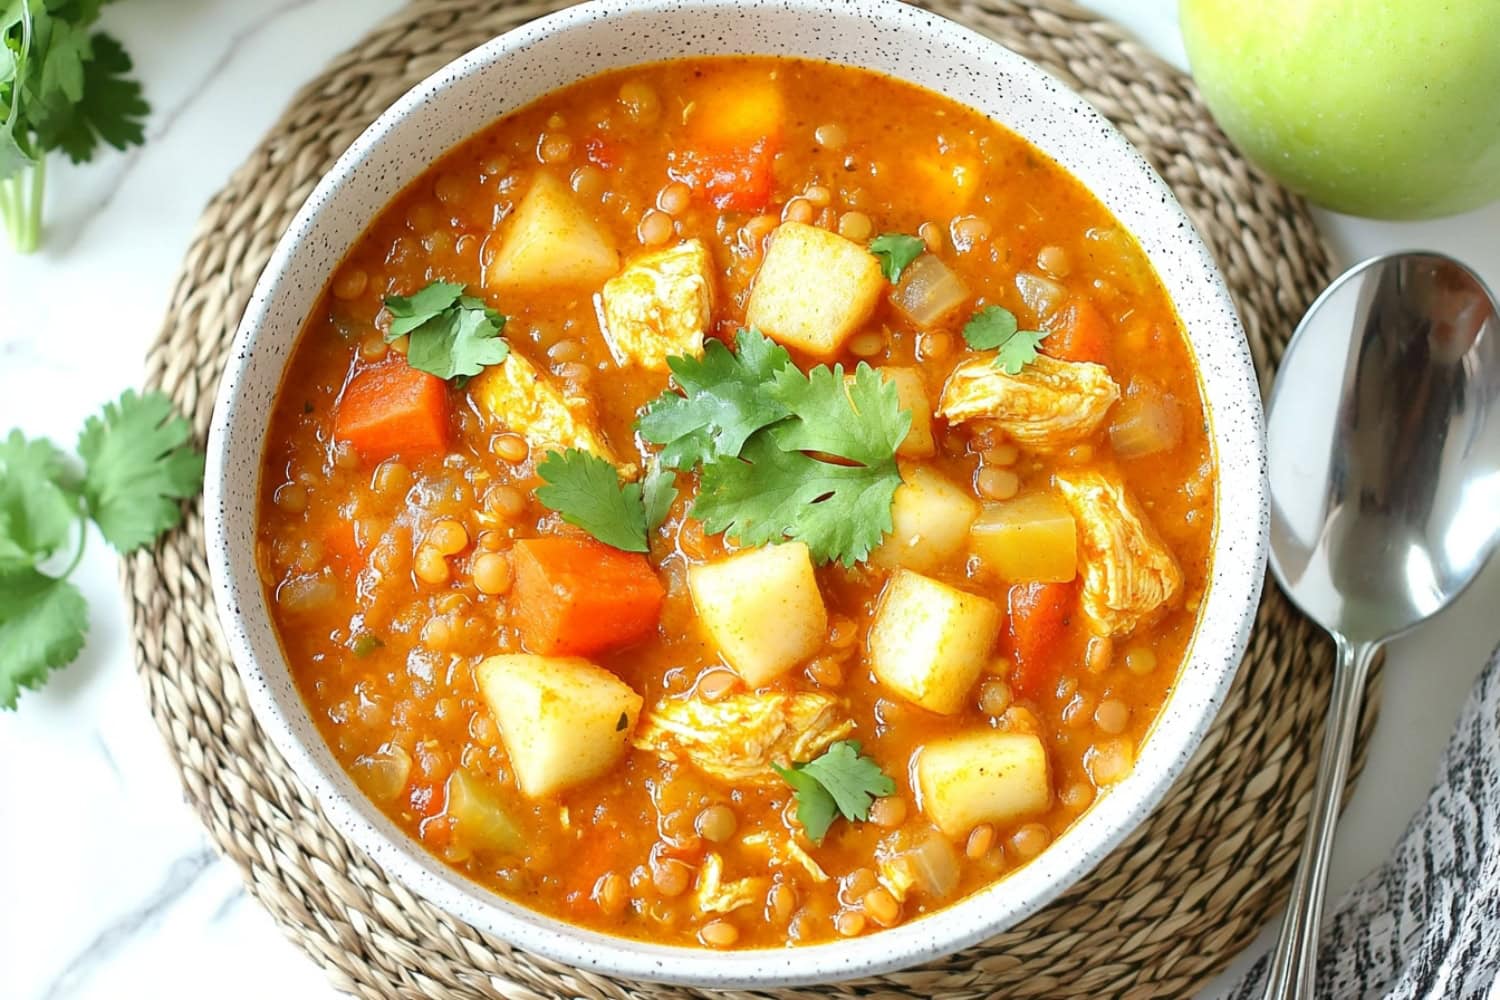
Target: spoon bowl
[1384,440]
[1383,436]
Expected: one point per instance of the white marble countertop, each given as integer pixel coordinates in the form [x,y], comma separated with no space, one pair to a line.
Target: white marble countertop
[108,886]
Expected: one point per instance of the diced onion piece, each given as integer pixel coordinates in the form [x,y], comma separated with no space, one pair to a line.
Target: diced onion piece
[926,858]
[480,819]
[307,592]
[1147,421]
[383,774]
[1042,296]
[929,292]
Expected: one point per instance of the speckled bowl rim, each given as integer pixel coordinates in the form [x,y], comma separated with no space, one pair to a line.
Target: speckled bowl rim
[1091,148]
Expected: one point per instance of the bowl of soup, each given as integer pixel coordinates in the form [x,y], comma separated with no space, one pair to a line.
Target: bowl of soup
[738,494]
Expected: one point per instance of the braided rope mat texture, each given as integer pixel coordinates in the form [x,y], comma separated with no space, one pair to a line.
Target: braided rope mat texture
[1161,915]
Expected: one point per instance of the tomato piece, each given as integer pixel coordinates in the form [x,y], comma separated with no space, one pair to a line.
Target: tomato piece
[1039,615]
[393,409]
[342,547]
[576,596]
[734,180]
[1080,333]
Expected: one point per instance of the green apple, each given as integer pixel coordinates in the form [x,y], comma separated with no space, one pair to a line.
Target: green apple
[1385,108]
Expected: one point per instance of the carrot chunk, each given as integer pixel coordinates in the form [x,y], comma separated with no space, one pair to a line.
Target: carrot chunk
[1081,334]
[393,409]
[576,596]
[1039,614]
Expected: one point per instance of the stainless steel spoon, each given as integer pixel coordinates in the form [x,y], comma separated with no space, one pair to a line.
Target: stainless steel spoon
[1384,438]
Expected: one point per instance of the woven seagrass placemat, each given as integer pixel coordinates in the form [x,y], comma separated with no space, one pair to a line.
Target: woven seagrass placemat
[1157,918]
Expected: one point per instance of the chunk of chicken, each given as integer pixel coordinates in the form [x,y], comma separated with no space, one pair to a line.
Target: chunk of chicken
[738,738]
[784,850]
[660,305]
[1048,405]
[530,404]
[712,894]
[1127,572]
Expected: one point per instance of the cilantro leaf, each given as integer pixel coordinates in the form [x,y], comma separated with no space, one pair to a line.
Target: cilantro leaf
[410,311]
[776,493]
[43,622]
[109,107]
[725,398]
[859,420]
[587,492]
[896,251]
[995,327]
[839,782]
[659,491]
[452,335]
[816,808]
[38,500]
[137,466]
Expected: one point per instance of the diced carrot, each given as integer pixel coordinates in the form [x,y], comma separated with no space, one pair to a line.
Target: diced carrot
[393,409]
[342,547]
[1039,614]
[576,596]
[1080,333]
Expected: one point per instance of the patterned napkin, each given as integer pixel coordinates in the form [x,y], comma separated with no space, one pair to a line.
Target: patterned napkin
[1426,924]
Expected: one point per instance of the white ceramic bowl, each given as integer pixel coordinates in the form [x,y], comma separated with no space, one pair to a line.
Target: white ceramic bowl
[882,35]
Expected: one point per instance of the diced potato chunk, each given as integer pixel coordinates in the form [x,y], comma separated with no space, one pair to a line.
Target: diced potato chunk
[985,776]
[932,517]
[551,240]
[660,305]
[814,289]
[762,608]
[563,720]
[481,821]
[929,640]
[527,402]
[1032,538]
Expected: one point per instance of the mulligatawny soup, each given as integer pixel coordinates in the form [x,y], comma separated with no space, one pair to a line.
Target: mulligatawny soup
[740,502]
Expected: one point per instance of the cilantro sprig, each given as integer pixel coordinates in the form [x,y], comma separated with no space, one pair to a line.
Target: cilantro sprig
[896,251]
[724,400]
[587,492]
[137,467]
[783,455]
[996,328]
[63,87]
[452,335]
[840,782]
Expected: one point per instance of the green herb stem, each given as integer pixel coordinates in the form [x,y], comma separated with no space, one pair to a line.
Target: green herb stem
[21,198]
[32,236]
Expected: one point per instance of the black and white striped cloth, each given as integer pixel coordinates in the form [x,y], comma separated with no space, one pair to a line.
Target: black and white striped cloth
[1426,924]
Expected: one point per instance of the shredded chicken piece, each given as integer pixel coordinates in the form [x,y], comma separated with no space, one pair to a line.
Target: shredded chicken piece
[1127,572]
[660,305]
[713,895]
[786,851]
[738,738]
[896,874]
[529,403]
[1048,405]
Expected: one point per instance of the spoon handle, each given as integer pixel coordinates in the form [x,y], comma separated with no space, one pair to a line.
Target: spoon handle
[1294,964]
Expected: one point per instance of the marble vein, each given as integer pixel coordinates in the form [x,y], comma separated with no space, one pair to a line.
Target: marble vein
[116,937]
